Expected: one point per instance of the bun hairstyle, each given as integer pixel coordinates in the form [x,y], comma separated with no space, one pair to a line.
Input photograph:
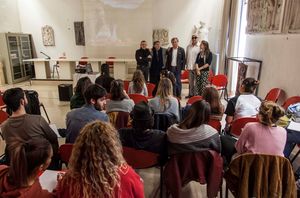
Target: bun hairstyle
[270,113]
[250,84]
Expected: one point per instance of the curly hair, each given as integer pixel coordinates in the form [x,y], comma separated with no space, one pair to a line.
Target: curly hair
[269,113]
[138,81]
[95,161]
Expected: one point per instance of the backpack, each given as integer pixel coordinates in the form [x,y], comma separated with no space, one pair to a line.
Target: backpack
[293,111]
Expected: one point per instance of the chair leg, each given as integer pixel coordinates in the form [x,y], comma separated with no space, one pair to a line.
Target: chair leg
[57,72]
[53,71]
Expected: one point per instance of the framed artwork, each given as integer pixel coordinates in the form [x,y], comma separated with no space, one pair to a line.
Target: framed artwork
[48,36]
[79,33]
[161,35]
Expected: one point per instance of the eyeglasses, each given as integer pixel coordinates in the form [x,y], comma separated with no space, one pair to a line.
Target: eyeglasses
[194,37]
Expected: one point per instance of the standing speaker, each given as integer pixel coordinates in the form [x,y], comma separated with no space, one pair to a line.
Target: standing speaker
[65,92]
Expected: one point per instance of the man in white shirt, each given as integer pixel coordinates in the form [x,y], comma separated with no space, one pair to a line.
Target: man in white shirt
[192,51]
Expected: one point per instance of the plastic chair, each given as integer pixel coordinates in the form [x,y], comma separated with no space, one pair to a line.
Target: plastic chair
[1,99]
[210,76]
[3,116]
[65,152]
[273,94]
[259,175]
[220,82]
[290,101]
[215,124]
[205,167]
[137,98]
[185,77]
[194,99]
[150,87]
[126,85]
[238,124]
[111,63]
[140,159]
[82,62]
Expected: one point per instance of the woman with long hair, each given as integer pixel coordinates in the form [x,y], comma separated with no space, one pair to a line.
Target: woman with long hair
[193,133]
[203,62]
[97,167]
[138,85]
[27,160]
[119,100]
[164,101]
[211,95]
[263,137]
[77,100]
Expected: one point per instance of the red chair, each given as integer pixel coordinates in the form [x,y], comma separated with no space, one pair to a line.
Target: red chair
[65,152]
[185,77]
[210,76]
[82,62]
[3,116]
[193,99]
[273,94]
[238,124]
[140,159]
[290,101]
[1,99]
[150,87]
[126,85]
[215,124]
[111,63]
[119,119]
[138,98]
[220,82]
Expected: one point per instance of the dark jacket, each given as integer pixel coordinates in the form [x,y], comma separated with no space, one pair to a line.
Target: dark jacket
[141,57]
[180,58]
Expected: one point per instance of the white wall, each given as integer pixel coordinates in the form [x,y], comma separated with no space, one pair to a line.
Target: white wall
[60,15]
[179,17]
[281,61]
[9,16]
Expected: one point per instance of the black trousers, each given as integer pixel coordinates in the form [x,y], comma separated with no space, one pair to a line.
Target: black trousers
[145,70]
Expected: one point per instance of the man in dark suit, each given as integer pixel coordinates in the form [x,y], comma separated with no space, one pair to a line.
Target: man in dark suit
[143,57]
[175,63]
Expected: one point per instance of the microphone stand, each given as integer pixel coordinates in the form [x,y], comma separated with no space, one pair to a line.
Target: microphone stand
[48,57]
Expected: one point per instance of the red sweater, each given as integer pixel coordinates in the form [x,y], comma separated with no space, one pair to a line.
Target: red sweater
[7,190]
[131,185]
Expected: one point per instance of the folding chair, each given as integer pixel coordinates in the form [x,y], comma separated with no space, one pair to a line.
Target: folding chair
[3,116]
[220,82]
[238,124]
[150,87]
[273,94]
[65,152]
[137,98]
[290,101]
[119,119]
[193,99]
[216,124]
[185,77]
[126,85]
[140,159]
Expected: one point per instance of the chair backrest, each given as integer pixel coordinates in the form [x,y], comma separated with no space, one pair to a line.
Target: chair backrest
[205,167]
[1,99]
[290,101]
[150,87]
[193,99]
[249,175]
[238,124]
[185,75]
[215,124]
[119,119]
[138,98]
[219,80]
[83,62]
[273,94]
[126,85]
[163,121]
[140,159]
[3,116]
[210,76]
[110,63]
[65,152]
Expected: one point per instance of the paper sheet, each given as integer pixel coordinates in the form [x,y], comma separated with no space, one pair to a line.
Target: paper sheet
[295,126]
[54,128]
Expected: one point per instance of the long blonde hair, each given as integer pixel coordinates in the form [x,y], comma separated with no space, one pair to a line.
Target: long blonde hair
[95,161]
[164,91]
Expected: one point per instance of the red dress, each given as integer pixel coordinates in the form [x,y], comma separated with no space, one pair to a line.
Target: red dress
[131,185]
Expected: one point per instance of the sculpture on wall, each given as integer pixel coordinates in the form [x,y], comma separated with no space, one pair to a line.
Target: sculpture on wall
[201,31]
[161,35]
[265,16]
[79,33]
[48,36]
[292,17]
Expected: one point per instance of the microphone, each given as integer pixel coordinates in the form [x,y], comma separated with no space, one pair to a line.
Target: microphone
[48,57]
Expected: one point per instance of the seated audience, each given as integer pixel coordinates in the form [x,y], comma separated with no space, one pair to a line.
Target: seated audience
[138,85]
[164,101]
[77,100]
[97,167]
[104,79]
[263,137]
[26,126]
[119,100]
[27,160]
[211,95]
[166,74]
[94,97]
[193,133]
[244,105]
[141,135]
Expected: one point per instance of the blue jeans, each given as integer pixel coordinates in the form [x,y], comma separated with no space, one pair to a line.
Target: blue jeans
[178,86]
[293,138]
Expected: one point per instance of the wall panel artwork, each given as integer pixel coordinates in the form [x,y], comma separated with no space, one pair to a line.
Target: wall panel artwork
[48,36]
[265,16]
[292,17]
[161,35]
[79,33]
